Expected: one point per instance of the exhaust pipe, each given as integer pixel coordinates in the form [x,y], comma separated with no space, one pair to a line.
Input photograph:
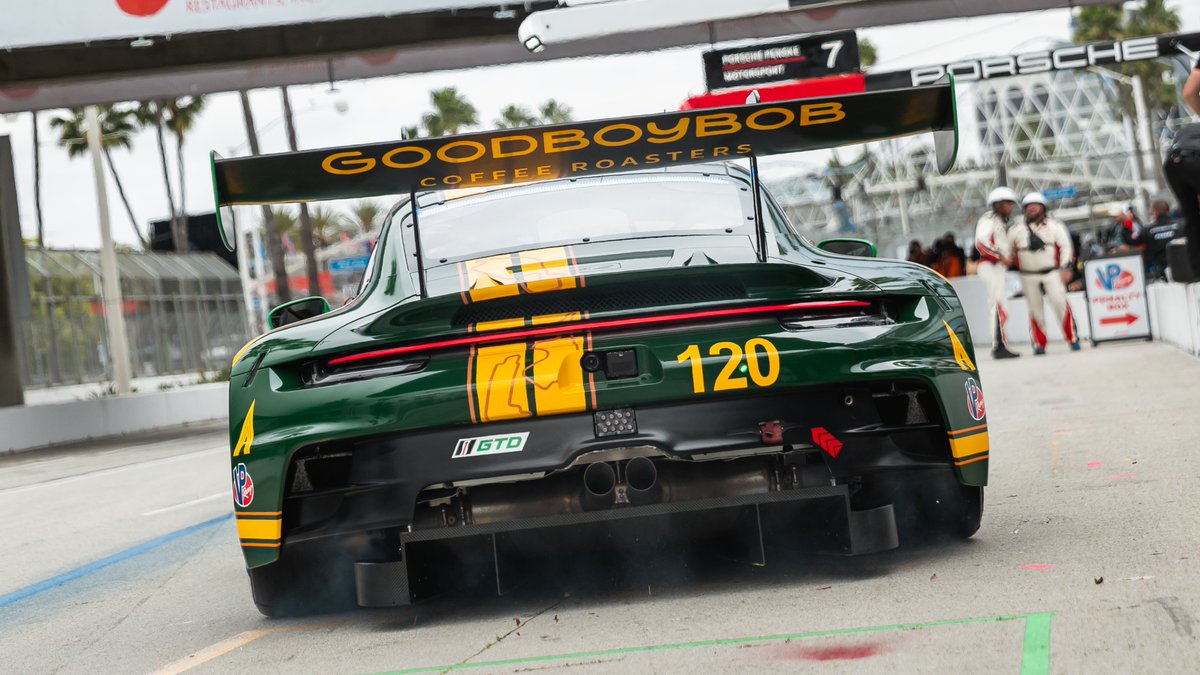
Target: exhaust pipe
[641,476]
[599,481]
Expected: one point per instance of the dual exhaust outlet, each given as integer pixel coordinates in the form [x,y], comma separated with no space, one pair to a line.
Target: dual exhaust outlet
[603,489]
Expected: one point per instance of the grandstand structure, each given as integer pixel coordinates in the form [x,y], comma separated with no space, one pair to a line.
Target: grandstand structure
[1062,132]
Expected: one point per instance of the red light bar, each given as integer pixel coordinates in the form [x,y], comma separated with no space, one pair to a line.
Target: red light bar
[853,83]
[607,324]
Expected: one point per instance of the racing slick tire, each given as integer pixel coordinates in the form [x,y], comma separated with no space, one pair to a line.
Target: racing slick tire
[303,582]
[929,508]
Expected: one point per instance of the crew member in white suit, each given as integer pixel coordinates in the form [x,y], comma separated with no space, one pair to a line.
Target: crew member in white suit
[1042,248]
[995,257]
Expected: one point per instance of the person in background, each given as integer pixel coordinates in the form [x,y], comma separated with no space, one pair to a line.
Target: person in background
[949,258]
[1161,230]
[1182,170]
[1075,280]
[995,257]
[1128,232]
[1043,253]
[917,253]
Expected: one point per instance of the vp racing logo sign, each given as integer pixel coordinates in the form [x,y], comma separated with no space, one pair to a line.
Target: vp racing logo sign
[490,445]
[1112,277]
[243,486]
[975,404]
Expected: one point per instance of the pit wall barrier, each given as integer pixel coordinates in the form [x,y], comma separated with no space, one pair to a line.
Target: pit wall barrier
[974,300]
[1174,314]
[36,426]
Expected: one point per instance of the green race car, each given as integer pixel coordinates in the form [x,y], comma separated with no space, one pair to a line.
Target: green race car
[633,333]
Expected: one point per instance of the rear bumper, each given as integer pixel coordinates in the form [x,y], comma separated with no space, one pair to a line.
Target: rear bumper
[852,431]
[847,532]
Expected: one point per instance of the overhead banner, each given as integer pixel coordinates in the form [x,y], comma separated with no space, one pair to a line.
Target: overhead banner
[796,59]
[1043,61]
[56,22]
[1116,297]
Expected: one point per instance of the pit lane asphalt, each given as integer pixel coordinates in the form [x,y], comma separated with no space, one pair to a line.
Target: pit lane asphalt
[1086,562]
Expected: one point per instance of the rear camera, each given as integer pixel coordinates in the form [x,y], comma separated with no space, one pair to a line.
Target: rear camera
[591,362]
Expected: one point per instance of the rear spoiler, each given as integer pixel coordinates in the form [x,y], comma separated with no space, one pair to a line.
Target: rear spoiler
[587,148]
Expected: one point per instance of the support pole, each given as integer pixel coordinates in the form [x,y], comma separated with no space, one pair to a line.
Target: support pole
[114,316]
[902,203]
[12,254]
[307,242]
[1150,155]
[760,228]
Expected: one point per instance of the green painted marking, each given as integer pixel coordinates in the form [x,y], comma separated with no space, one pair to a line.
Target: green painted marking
[1035,654]
[1037,625]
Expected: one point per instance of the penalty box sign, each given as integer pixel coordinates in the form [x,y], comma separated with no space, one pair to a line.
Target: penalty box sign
[798,59]
[1116,297]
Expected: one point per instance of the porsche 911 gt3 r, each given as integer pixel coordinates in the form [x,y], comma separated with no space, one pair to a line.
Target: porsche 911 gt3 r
[631,332]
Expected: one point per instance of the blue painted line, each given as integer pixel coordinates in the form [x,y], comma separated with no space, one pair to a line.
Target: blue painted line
[113,559]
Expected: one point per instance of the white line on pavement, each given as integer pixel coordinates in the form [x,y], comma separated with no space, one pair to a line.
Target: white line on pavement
[109,471]
[165,509]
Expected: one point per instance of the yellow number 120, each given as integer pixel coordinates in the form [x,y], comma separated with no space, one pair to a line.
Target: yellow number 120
[726,379]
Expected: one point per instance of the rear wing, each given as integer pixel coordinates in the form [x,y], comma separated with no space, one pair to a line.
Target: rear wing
[587,148]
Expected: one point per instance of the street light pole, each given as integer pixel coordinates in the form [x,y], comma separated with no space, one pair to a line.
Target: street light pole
[118,346]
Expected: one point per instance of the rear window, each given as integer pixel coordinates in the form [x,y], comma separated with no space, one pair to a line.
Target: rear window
[519,219]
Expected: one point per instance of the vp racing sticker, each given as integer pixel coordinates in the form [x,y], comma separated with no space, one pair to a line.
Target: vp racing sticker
[975,404]
[490,445]
[243,486]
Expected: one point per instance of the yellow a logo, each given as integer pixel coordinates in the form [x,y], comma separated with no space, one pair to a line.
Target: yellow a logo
[960,352]
[246,438]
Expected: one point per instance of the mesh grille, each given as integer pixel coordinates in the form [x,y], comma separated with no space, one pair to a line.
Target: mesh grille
[603,300]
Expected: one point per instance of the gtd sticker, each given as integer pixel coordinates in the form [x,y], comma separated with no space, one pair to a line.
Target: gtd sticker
[490,445]
[975,399]
[243,486]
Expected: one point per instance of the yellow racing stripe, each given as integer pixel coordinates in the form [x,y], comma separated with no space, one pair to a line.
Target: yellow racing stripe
[558,377]
[259,529]
[968,446]
[500,382]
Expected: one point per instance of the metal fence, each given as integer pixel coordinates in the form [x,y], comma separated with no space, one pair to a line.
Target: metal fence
[183,314]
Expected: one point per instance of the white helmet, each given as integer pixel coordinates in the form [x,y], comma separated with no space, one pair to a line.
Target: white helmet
[1001,194]
[1034,198]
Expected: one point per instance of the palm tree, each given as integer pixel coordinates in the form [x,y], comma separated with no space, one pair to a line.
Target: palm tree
[150,113]
[451,113]
[514,116]
[182,114]
[285,220]
[1101,22]
[1112,23]
[554,112]
[116,131]
[271,236]
[867,54]
[365,215]
[327,224]
[306,232]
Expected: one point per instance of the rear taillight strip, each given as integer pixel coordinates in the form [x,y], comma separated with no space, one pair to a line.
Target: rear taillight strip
[607,324]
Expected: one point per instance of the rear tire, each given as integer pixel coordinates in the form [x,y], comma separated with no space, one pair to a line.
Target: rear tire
[929,507]
[949,510]
[302,582]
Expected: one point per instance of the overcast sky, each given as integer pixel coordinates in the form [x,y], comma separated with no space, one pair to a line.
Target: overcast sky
[375,110]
